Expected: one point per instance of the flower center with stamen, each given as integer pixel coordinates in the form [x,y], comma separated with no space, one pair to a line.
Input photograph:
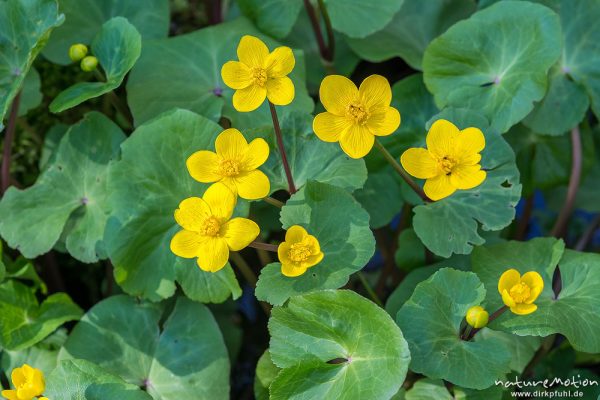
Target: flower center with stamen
[211,227]
[357,113]
[299,252]
[260,76]
[446,164]
[520,292]
[230,167]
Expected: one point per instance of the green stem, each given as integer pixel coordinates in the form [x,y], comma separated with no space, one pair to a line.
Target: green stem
[116,102]
[264,246]
[249,275]
[273,202]
[369,289]
[492,317]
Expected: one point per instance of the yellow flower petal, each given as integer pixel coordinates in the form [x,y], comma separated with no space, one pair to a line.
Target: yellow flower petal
[236,75]
[191,213]
[10,394]
[186,244]
[203,166]
[336,93]
[292,269]
[283,252]
[441,138]
[231,145]
[508,279]
[213,254]
[357,141]
[419,163]
[523,309]
[239,233]
[252,185]
[329,127]
[221,200]
[467,176]
[257,154]
[17,376]
[313,260]
[507,299]
[38,382]
[280,91]
[295,234]
[384,123]
[468,142]
[252,51]
[438,187]
[280,62]
[536,285]
[313,243]
[375,92]
[250,98]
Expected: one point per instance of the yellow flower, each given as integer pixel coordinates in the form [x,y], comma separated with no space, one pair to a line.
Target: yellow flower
[259,74]
[355,116]
[519,292]
[234,164]
[28,383]
[208,230]
[299,252]
[477,317]
[450,162]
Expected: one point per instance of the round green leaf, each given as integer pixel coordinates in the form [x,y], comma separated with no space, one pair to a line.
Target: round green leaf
[117,46]
[84,19]
[432,389]
[416,24]
[24,322]
[146,187]
[573,313]
[342,227]
[197,57]
[495,62]
[366,356]
[24,29]
[71,193]
[431,321]
[452,225]
[83,380]
[182,357]
[381,197]
[357,20]
[266,372]
[274,17]
[31,93]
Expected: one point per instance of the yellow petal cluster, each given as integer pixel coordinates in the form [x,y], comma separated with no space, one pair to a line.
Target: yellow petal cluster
[299,252]
[234,163]
[519,292]
[259,74]
[450,162]
[28,384]
[354,116]
[209,232]
[477,317]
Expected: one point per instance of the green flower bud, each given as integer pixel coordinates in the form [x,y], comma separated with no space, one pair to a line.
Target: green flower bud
[77,52]
[477,317]
[89,63]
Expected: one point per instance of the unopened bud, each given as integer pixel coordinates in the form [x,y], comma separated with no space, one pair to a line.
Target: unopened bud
[477,317]
[89,63]
[77,52]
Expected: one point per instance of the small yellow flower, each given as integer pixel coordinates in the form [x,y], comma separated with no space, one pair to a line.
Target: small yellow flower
[208,232]
[450,162]
[519,292]
[28,382]
[77,52]
[477,317]
[355,116]
[259,74]
[234,164]
[299,252]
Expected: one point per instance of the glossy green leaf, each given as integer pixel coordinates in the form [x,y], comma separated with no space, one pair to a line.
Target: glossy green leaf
[432,389]
[431,321]
[146,187]
[24,30]
[410,253]
[274,17]
[522,348]
[182,357]
[266,372]
[69,195]
[573,313]
[84,19]
[381,187]
[117,46]
[452,225]
[410,31]
[197,57]
[370,353]
[355,19]
[31,94]
[484,63]
[24,322]
[342,227]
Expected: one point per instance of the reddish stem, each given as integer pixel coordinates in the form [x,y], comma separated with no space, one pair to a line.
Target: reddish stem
[284,159]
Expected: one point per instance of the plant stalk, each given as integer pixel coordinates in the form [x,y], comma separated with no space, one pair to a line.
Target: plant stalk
[369,289]
[284,159]
[249,276]
[9,137]
[274,202]
[264,246]
[325,51]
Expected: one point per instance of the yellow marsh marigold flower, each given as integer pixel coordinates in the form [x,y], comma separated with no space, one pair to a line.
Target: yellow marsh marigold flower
[355,116]
[259,74]
[519,292]
[28,382]
[477,317]
[234,164]
[299,252]
[450,162]
[208,230]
